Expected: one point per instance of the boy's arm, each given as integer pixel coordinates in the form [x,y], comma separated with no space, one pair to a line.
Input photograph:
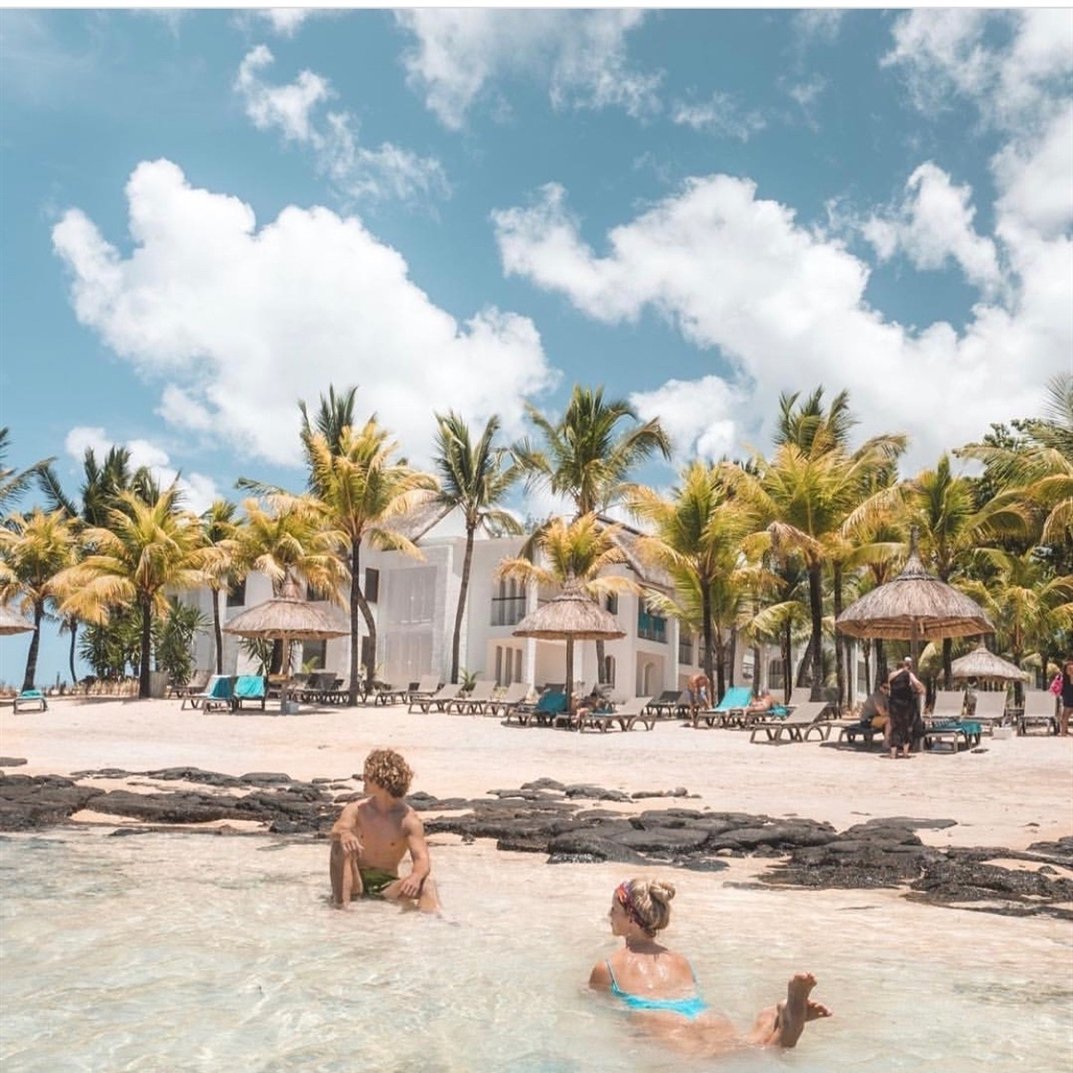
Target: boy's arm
[345,829]
[414,830]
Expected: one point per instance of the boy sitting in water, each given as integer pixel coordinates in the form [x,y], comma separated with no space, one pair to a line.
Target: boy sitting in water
[372,836]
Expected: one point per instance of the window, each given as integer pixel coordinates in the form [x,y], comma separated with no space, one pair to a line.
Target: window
[372,584]
[366,651]
[314,654]
[508,602]
[612,603]
[685,649]
[651,627]
[609,670]
[237,596]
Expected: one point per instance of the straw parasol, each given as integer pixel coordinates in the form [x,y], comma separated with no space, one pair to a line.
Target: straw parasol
[981,663]
[287,618]
[915,606]
[12,623]
[571,616]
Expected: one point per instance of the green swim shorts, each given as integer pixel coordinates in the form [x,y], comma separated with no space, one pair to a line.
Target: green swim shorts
[374,880]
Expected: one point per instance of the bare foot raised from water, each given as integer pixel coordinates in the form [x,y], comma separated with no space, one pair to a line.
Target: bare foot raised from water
[797,1010]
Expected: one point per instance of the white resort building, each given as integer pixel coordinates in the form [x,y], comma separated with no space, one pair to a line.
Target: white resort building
[414,602]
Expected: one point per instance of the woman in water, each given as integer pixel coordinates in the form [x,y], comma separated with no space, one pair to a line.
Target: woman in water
[659,988]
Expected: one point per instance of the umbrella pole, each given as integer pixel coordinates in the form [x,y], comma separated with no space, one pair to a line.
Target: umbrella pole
[570,675]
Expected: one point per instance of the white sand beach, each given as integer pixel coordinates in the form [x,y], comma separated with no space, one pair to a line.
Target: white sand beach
[1010,792]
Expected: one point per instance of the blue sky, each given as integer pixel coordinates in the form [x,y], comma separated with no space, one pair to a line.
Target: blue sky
[210,214]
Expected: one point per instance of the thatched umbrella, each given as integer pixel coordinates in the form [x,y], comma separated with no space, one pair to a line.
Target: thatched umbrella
[12,623]
[571,616]
[287,618]
[916,606]
[983,664]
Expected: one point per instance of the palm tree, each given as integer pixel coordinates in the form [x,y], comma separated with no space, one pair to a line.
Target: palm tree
[578,553]
[362,491]
[336,413]
[34,549]
[696,538]
[147,548]
[220,532]
[588,454]
[473,480]
[14,482]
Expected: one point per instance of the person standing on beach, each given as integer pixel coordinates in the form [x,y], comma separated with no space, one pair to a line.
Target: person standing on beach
[1066,698]
[700,691]
[905,687]
[659,988]
[372,836]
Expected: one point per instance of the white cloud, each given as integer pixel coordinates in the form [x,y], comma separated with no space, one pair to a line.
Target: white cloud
[721,115]
[934,224]
[820,24]
[698,416]
[786,308]
[197,490]
[244,321]
[356,172]
[285,21]
[960,52]
[581,56]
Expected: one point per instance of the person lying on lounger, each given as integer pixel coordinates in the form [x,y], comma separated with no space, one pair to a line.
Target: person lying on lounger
[372,836]
[762,702]
[659,988]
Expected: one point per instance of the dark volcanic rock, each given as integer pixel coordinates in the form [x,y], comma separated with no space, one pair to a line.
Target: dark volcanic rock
[31,802]
[581,846]
[595,793]
[672,841]
[265,778]
[194,774]
[11,761]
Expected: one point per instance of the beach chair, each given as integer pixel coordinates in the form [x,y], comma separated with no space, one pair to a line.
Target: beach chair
[216,695]
[444,695]
[475,702]
[731,708]
[953,732]
[1040,710]
[849,730]
[249,689]
[512,697]
[949,704]
[426,687]
[670,702]
[197,683]
[627,715]
[797,726]
[990,709]
[31,699]
[549,705]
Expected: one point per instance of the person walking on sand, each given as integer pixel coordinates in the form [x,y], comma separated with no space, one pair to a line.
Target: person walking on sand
[905,687]
[659,988]
[1065,698]
[700,692]
[372,835]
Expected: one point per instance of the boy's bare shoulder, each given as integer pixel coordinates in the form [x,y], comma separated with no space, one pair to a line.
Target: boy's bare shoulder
[411,821]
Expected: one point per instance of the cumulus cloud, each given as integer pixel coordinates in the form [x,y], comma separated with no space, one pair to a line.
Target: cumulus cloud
[1009,62]
[721,115]
[197,490]
[819,24]
[285,21]
[355,171]
[933,225]
[241,321]
[735,274]
[460,53]
[697,415]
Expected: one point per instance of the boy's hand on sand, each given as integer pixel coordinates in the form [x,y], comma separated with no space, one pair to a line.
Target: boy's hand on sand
[350,843]
[411,887]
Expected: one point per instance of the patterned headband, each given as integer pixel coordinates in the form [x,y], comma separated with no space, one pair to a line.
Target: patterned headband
[622,892]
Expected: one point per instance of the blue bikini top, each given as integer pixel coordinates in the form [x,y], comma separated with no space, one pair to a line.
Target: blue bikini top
[690,1008]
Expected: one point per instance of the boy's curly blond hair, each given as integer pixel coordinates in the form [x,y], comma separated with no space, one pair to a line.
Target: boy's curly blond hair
[387,768]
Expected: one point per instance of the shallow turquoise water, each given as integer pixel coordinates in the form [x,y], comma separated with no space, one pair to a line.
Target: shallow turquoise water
[169,953]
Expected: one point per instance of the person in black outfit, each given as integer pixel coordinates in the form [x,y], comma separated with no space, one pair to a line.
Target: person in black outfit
[905,687]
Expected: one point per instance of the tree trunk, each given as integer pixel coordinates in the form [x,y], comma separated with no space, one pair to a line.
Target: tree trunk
[357,602]
[73,622]
[815,603]
[732,660]
[370,627]
[147,646]
[840,670]
[720,667]
[948,653]
[601,659]
[706,611]
[804,668]
[217,630]
[881,662]
[35,642]
[787,663]
[570,675]
[868,686]
[456,640]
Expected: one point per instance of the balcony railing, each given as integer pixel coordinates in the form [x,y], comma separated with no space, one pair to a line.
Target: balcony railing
[651,627]
[508,610]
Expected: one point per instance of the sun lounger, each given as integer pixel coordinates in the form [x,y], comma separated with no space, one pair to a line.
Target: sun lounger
[953,732]
[475,702]
[31,699]
[797,726]
[732,706]
[444,695]
[548,706]
[249,689]
[197,683]
[216,695]
[626,715]
[1040,710]
[990,709]
[512,697]
[670,702]
[849,730]
[426,687]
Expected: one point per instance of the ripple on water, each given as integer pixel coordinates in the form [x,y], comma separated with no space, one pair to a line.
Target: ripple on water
[174,953]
